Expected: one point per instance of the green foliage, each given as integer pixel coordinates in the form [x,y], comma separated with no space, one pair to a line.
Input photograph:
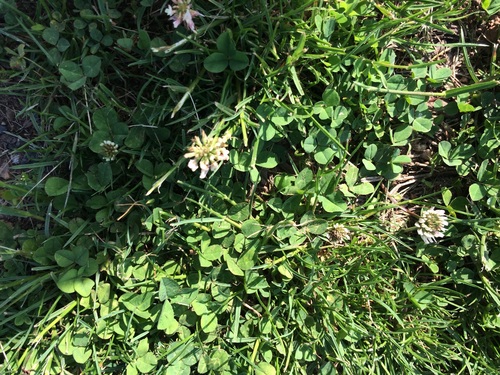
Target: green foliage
[298,252]
[227,55]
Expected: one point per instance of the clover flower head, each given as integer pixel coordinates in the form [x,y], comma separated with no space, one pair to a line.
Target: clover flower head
[180,12]
[206,153]
[340,233]
[109,149]
[431,225]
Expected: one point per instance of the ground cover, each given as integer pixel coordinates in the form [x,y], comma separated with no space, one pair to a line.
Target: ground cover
[266,187]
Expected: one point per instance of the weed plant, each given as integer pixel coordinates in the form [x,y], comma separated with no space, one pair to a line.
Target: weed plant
[251,187]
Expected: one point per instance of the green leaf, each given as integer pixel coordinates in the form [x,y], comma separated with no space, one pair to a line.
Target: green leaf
[144,41]
[103,292]
[233,266]
[401,159]
[477,192]
[422,124]
[447,195]
[146,363]
[364,188]
[81,355]
[168,289]
[305,352]
[125,43]
[368,165]
[397,82]
[266,159]
[200,307]
[104,118]
[324,155]
[351,175]
[216,63]
[77,84]
[238,61]
[240,212]
[251,228]
[66,344]
[83,286]
[333,203]
[437,75]
[285,272]
[71,281]
[304,179]
[264,368]
[81,338]
[371,151]
[79,255]
[247,258]
[225,44]
[63,44]
[71,71]
[241,161]
[317,226]
[142,348]
[137,303]
[492,7]
[282,117]
[166,320]
[131,369]
[219,360]
[331,98]
[401,135]
[56,186]
[213,252]
[444,149]
[266,131]
[309,144]
[178,368]
[100,176]
[51,35]
[135,137]
[209,322]
[419,72]
[91,66]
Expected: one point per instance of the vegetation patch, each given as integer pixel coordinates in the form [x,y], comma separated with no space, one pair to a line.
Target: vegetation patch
[266,187]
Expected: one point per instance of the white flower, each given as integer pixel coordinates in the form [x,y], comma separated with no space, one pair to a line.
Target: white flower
[181,12]
[431,225]
[341,233]
[109,149]
[206,153]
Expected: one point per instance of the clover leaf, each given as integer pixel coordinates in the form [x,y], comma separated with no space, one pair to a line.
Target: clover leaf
[227,55]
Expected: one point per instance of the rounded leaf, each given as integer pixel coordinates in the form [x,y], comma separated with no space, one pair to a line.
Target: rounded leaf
[265,368]
[216,63]
[146,363]
[251,228]
[56,186]
[238,61]
[225,44]
[50,35]
[70,71]
[477,192]
[91,66]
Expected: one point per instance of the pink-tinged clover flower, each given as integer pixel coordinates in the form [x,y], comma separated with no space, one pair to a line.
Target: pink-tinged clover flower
[431,225]
[207,152]
[180,12]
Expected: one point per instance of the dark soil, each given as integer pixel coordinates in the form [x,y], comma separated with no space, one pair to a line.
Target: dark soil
[15,130]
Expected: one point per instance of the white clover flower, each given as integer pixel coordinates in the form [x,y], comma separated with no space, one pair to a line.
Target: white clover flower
[341,233]
[431,225]
[181,12]
[207,152]
[109,149]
